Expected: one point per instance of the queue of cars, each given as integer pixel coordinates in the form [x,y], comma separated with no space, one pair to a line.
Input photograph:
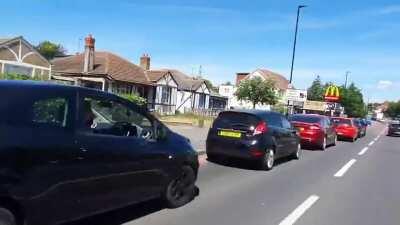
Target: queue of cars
[263,137]
[73,152]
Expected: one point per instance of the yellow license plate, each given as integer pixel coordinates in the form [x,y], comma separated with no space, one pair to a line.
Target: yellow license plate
[232,134]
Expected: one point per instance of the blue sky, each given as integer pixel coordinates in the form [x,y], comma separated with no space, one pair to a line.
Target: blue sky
[228,36]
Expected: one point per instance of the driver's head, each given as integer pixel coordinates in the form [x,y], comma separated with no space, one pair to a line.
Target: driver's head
[88,115]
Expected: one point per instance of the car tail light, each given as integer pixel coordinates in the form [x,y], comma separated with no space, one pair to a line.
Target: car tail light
[256,152]
[261,128]
[313,127]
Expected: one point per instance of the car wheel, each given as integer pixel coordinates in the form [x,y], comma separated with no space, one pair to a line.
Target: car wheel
[7,217]
[182,189]
[354,139]
[267,162]
[297,154]
[323,145]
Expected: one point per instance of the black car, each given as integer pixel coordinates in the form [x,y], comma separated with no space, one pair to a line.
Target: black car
[362,127]
[253,135]
[394,128]
[68,152]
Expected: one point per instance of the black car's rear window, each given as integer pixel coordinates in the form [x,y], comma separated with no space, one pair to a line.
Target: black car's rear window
[341,121]
[235,120]
[305,119]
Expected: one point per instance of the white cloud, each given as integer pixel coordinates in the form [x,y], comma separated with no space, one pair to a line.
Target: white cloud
[384,84]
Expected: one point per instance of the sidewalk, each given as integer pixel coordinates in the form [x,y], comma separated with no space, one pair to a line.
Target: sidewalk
[196,135]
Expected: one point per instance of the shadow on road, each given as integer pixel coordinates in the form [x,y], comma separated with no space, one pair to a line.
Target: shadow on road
[244,164]
[121,216]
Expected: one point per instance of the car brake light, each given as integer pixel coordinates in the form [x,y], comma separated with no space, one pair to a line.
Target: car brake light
[256,152]
[261,128]
[314,127]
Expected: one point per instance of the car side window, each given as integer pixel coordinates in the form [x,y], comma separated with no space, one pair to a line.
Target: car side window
[52,112]
[114,118]
[285,123]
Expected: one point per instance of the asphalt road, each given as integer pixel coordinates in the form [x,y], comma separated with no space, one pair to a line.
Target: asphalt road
[346,184]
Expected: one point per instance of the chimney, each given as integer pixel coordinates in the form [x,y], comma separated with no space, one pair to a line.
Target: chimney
[88,64]
[240,77]
[145,61]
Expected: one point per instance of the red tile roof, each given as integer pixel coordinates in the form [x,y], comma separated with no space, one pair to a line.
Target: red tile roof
[106,63]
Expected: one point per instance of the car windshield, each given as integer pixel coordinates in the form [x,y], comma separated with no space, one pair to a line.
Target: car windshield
[305,119]
[341,121]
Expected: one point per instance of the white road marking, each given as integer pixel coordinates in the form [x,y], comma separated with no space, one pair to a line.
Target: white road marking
[344,169]
[363,151]
[371,143]
[299,211]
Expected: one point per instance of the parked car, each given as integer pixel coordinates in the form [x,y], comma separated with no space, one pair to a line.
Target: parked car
[362,127]
[345,128]
[256,135]
[68,152]
[315,130]
[394,128]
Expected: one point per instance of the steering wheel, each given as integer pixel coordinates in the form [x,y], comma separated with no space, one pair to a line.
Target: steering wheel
[124,129]
[146,133]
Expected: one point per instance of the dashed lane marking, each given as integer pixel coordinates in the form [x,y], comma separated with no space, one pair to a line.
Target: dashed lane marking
[363,151]
[371,143]
[344,169]
[299,211]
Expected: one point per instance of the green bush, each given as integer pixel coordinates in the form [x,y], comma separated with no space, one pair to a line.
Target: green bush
[135,99]
[13,76]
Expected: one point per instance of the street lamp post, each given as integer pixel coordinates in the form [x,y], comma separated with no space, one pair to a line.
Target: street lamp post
[347,76]
[294,46]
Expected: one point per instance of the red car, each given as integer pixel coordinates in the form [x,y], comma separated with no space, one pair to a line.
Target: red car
[314,130]
[345,128]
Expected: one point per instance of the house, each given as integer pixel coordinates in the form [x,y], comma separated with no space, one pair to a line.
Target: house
[18,56]
[166,90]
[281,85]
[192,93]
[109,72]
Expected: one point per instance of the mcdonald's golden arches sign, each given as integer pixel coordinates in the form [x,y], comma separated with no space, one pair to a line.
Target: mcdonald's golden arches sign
[332,94]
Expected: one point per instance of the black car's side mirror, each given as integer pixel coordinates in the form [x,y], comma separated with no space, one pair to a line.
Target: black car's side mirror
[162,132]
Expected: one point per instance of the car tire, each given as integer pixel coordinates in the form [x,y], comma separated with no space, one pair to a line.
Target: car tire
[354,139]
[7,217]
[182,189]
[323,145]
[267,162]
[297,154]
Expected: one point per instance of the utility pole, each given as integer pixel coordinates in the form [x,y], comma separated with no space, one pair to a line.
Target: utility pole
[294,49]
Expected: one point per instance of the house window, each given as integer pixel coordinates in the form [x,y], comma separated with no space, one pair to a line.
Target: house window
[21,70]
[166,93]
[202,100]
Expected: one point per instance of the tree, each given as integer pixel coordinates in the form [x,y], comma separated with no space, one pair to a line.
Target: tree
[257,91]
[316,91]
[227,83]
[393,109]
[50,50]
[352,101]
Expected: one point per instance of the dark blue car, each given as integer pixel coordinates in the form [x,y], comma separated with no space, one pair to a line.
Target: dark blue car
[68,152]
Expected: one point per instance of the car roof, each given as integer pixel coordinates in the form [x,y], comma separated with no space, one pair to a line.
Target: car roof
[310,115]
[256,112]
[46,85]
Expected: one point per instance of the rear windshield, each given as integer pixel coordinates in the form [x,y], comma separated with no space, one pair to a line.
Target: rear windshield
[341,121]
[235,120]
[395,125]
[305,119]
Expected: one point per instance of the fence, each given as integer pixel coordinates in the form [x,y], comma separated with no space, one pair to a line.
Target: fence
[204,112]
